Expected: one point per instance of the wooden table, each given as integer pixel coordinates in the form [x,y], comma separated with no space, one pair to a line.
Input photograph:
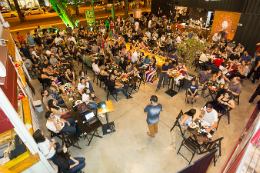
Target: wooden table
[85,129]
[159,60]
[109,127]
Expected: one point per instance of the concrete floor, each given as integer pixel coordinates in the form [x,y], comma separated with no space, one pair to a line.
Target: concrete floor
[131,150]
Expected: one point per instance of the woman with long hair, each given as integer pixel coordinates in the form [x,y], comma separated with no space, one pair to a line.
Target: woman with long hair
[186,118]
[82,74]
[219,77]
[149,74]
[46,146]
[57,110]
[86,97]
[67,163]
[224,101]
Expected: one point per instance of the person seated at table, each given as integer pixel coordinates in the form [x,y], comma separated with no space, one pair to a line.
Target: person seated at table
[115,86]
[166,67]
[203,78]
[182,69]
[103,74]
[186,118]
[217,62]
[64,62]
[149,74]
[67,163]
[242,71]
[86,98]
[57,124]
[123,64]
[82,85]
[54,89]
[118,75]
[95,66]
[87,79]
[70,76]
[47,147]
[57,110]
[234,56]
[224,101]
[135,72]
[245,57]
[219,77]
[235,86]
[129,67]
[209,115]
[46,96]
[192,91]
[231,67]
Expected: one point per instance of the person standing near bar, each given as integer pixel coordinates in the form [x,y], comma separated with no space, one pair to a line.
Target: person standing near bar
[153,111]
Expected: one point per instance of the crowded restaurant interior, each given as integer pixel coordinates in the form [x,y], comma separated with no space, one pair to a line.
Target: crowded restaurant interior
[171,90]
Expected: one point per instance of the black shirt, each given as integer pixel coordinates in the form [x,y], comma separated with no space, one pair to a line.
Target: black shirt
[49,41]
[123,64]
[166,68]
[111,85]
[232,57]
[26,51]
[257,60]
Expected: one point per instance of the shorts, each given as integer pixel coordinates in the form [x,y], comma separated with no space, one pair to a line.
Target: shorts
[189,93]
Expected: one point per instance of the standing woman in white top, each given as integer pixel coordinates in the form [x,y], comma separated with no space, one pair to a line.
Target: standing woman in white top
[57,110]
[46,146]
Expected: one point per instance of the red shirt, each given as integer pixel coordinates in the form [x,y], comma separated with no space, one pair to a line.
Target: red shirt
[111,25]
[234,67]
[218,62]
[20,39]
[257,50]
[103,43]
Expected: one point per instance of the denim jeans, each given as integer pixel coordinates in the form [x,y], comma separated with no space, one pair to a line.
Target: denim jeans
[93,105]
[61,103]
[121,89]
[79,166]
[70,128]
[165,76]
[54,157]
[90,87]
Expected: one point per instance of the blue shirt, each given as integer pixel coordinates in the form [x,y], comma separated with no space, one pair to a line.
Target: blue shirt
[247,58]
[31,40]
[153,113]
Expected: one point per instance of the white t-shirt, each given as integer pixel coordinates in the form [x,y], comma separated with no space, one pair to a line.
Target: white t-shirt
[44,148]
[203,58]
[48,52]
[50,125]
[81,86]
[134,57]
[57,39]
[85,97]
[210,117]
[72,39]
[95,68]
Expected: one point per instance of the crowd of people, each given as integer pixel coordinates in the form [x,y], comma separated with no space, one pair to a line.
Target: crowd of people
[50,57]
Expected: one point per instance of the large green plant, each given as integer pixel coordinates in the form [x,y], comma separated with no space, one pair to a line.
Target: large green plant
[61,7]
[189,48]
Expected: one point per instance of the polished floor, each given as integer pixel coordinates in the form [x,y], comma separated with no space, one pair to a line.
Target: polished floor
[131,150]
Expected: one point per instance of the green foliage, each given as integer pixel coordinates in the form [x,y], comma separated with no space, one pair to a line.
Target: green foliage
[188,49]
[61,7]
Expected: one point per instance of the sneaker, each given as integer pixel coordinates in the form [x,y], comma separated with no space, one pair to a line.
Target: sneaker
[250,101]
[156,90]
[129,97]
[188,101]
[191,102]
[101,115]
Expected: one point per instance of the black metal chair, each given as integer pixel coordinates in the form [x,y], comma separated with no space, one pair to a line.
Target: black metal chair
[177,123]
[69,139]
[194,147]
[236,99]
[222,113]
[181,84]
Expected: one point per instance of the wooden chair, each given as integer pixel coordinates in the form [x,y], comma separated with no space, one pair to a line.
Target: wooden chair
[177,123]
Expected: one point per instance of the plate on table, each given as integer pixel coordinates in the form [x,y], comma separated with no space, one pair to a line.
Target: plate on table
[192,125]
[205,124]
